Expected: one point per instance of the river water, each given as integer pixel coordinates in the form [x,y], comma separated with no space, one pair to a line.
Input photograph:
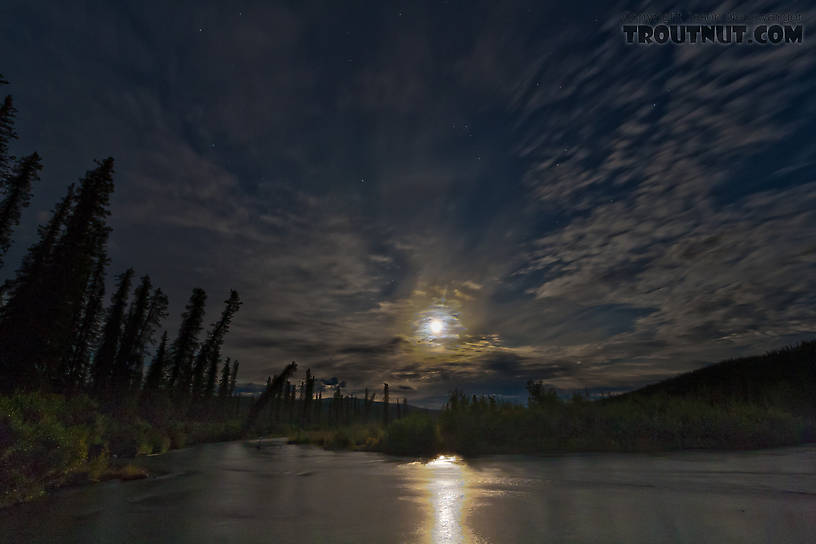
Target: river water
[272,492]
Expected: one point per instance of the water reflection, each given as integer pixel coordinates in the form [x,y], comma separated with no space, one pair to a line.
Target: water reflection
[446,485]
[233,492]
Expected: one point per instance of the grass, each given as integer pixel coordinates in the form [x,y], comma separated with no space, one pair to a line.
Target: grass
[48,440]
[126,473]
[362,437]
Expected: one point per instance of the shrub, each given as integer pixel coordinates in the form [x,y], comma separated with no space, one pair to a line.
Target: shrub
[415,434]
[44,441]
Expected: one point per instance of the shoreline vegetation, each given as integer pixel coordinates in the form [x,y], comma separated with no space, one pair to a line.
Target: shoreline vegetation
[76,396]
[750,403]
[48,440]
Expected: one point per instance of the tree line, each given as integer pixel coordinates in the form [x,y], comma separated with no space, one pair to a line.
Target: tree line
[301,404]
[56,334]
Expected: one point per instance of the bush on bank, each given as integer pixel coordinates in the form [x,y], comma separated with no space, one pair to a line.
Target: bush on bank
[48,440]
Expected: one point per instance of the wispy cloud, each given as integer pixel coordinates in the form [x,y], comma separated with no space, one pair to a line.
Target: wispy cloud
[582,211]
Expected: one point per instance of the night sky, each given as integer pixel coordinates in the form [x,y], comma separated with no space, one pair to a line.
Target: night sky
[437,195]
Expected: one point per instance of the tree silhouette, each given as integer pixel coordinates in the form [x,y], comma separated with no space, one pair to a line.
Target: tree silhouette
[308,392]
[224,382]
[19,317]
[75,254]
[156,313]
[77,360]
[7,114]
[156,374]
[125,361]
[385,404]
[184,347]
[112,333]
[206,361]
[274,389]
[233,378]
[368,403]
[16,191]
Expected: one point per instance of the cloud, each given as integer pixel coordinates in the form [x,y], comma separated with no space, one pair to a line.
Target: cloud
[589,213]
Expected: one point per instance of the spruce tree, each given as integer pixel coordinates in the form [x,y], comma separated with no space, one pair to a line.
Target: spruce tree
[72,266]
[16,195]
[86,334]
[186,343]
[308,392]
[275,388]
[212,374]
[112,333]
[156,313]
[158,367]
[7,134]
[205,367]
[125,361]
[368,403]
[233,378]
[19,317]
[385,404]
[224,382]
[146,313]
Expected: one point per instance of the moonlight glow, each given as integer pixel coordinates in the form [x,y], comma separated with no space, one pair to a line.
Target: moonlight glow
[439,325]
[436,326]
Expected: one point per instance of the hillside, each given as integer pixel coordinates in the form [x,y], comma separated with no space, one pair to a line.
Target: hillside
[785,378]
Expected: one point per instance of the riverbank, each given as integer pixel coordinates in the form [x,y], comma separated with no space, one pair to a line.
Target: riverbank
[478,426]
[741,404]
[49,441]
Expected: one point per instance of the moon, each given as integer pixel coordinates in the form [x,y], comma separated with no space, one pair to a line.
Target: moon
[436,326]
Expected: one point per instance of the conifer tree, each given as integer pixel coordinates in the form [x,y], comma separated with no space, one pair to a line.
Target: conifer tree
[7,113]
[16,195]
[72,266]
[368,403]
[77,360]
[156,313]
[186,343]
[206,361]
[336,409]
[224,383]
[290,400]
[124,363]
[385,404]
[308,392]
[19,322]
[112,333]
[275,388]
[233,378]
[158,367]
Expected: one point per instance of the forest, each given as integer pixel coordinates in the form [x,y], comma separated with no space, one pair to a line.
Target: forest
[77,391]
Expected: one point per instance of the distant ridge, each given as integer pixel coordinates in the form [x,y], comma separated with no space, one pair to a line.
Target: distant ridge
[784,378]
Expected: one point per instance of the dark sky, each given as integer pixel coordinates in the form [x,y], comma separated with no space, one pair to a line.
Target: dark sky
[569,207]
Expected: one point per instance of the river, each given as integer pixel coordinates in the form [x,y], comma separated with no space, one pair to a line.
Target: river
[272,492]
